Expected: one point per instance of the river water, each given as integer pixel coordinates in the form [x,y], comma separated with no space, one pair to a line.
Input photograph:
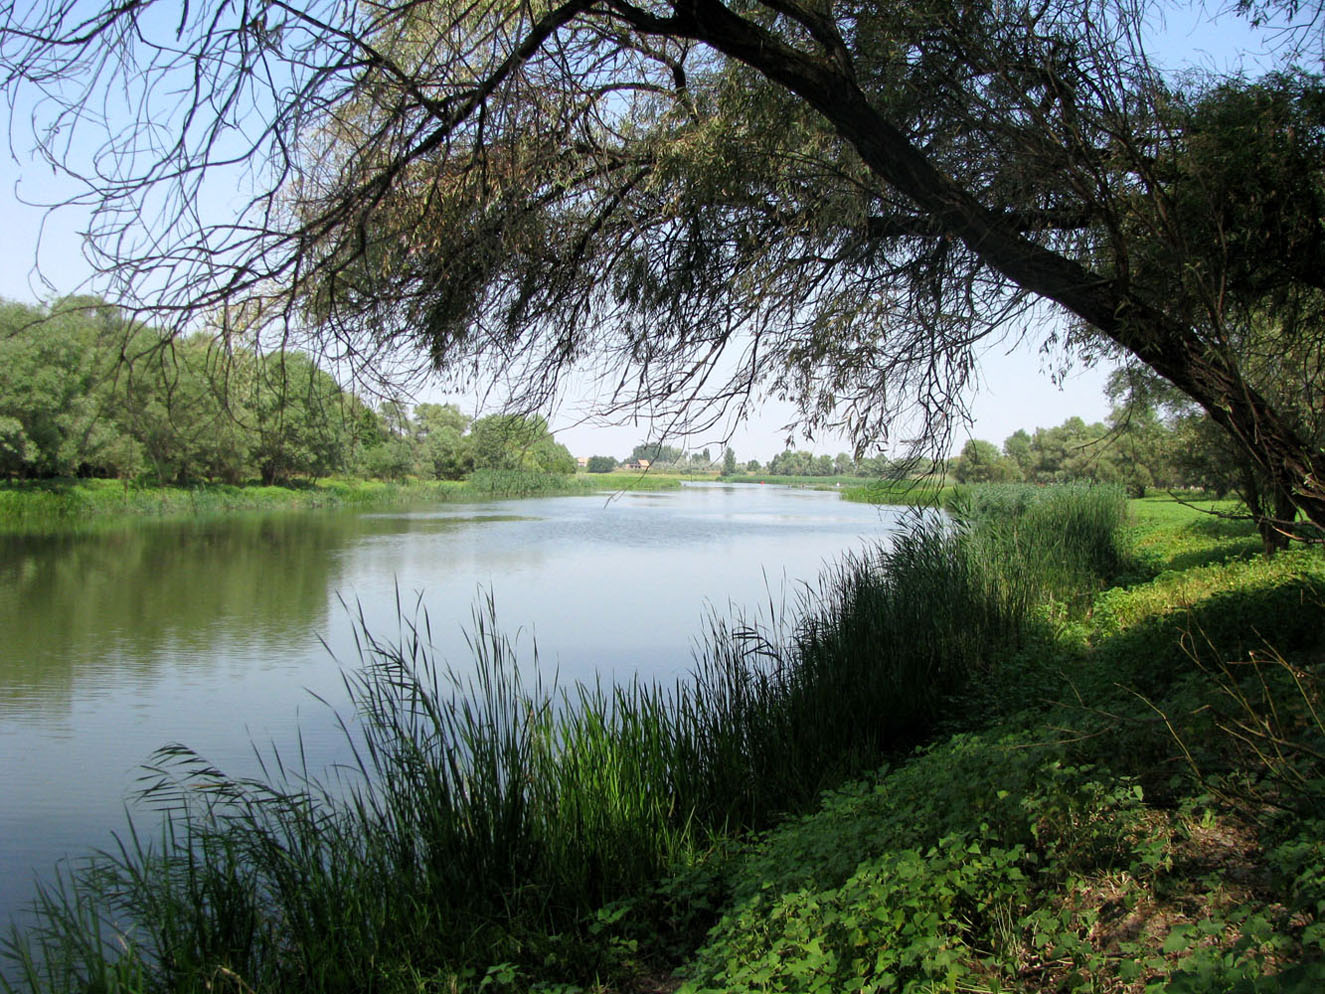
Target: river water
[218,633]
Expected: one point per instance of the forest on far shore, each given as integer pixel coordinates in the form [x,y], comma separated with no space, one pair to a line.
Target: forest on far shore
[88,392]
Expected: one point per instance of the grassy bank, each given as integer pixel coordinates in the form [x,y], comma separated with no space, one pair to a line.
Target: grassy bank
[899,493]
[1131,801]
[913,493]
[61,504]
[1085,736]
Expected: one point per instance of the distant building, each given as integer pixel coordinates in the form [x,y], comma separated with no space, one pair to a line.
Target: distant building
[636,464]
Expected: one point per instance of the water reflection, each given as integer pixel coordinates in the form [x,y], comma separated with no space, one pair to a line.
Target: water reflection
[207,632]
[163,592]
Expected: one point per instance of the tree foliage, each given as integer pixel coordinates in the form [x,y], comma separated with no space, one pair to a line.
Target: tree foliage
[981,462]
[656,452]
[833,205]
[518,442]
[87,391]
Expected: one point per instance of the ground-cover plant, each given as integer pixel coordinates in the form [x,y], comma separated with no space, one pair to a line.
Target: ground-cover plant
[488,819]
[1168,534]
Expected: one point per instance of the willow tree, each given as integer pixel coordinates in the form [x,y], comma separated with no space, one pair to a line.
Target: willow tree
[828,201]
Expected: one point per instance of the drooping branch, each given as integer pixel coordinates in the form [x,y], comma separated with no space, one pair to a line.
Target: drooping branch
[1105,303]
[828,204]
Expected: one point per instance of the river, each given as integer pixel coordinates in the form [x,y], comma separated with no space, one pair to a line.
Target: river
[218,633]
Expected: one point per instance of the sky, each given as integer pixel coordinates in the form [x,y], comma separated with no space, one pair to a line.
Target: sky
[41,256]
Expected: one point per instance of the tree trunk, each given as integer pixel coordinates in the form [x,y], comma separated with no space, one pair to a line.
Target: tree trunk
[1175,351]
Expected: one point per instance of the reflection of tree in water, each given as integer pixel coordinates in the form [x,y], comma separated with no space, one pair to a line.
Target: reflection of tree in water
[154,591]
[67,602]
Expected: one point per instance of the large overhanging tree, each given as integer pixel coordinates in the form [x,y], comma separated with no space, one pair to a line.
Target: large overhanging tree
[703,202]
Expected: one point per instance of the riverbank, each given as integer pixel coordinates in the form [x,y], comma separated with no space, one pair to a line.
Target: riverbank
[1078,805]
[74,504]
[63,504]
[923,492]
[1131,801]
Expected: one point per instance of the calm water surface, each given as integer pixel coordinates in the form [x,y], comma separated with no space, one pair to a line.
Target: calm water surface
[211,633]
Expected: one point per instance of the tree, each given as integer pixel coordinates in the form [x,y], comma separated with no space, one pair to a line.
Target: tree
[434,419]
[518,442]
[791,463]
[1139,437]
[1073,450]
[88,391]
[1017,447]
[15,447]
[829,204]
[1205,459]
[449,455]
[601,464]
[51,423]
[1294,375]
[877,467]
[981,462]
[190,409]
[302,419]
[390,459]
[728,461]
[394,417]
[656,452]
[441,429]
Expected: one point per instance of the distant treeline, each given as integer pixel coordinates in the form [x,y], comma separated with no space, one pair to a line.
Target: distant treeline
[87,391]
[1153,437]
[792,462]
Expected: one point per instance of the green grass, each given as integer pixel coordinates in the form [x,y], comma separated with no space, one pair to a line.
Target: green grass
[916,493]
[1083,750]
[921,493]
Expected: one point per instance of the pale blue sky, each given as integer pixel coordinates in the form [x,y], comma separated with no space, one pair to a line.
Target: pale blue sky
[1015,390]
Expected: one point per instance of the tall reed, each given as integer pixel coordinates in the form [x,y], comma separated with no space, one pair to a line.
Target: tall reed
[1062,540]
[486,815]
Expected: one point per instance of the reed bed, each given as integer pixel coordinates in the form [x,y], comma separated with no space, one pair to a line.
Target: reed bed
[921,492]
[1065,541]
[487,816]
[524,483]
